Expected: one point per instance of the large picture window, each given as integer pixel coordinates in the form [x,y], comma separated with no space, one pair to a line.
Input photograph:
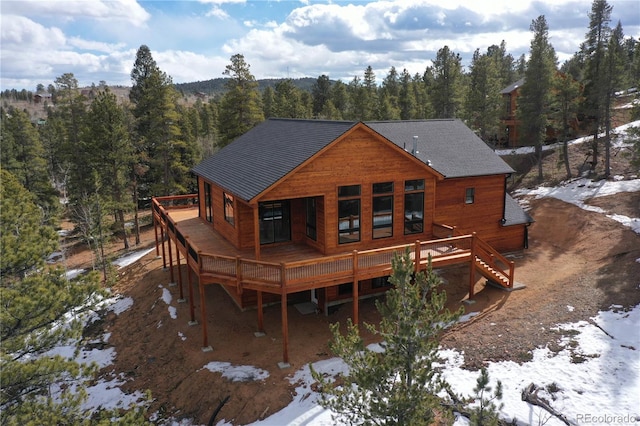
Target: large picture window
[414,206]
[382,210]
[348,214]
[229,215]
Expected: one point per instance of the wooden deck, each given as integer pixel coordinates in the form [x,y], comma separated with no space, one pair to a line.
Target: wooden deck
[290,268]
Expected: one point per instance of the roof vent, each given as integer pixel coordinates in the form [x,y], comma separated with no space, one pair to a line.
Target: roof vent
[415,145]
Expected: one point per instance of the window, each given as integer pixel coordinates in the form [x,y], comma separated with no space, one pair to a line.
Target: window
[470,195]
[413,206]
[348,214]
[312,231]
[382,210]
[207,202]
[275,222]
[228,208]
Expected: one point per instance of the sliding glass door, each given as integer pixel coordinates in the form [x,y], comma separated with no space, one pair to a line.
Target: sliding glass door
[275,222]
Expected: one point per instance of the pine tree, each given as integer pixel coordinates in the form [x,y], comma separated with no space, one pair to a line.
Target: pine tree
[398,385]
[406,97]
[483,97]
[34,302]
[446,95]
[321,94]
[595,47]
[111,154]
[485,412]
[614,64]
[535,97]
[164,155]
[22,154]
[240,107]
[568,96]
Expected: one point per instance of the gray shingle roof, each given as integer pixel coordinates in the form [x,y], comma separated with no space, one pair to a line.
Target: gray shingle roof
[275,147]
[513,86]
[448,146]
[514,214]
[268,152]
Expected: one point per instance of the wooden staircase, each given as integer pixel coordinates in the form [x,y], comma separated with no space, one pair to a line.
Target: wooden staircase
[491,264]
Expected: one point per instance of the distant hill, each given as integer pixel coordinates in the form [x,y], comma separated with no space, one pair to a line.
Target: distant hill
[216,86]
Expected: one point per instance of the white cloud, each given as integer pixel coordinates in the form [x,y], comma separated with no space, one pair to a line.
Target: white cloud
[23,34]
[95,45]
[127,10]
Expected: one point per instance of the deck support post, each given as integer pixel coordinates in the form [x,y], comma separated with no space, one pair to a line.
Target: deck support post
[260,313]
[171,278]
[155,231]
[191,306]
[285,331]
[472,269]
[416,256]
[162,237]
[355,291]
[285,319]
[181,298]
[203,313]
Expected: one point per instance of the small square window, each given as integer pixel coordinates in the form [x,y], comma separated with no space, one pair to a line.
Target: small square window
[470,196]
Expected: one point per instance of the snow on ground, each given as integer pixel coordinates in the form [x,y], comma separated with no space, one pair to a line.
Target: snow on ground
[237,373]
[617,140]
[577,191]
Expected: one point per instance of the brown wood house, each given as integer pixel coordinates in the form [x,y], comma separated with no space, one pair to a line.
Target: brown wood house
[316,209]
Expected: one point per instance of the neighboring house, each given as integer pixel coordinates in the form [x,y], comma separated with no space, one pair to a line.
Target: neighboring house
[511,124]
[316,209]
[509,119]
[39,97]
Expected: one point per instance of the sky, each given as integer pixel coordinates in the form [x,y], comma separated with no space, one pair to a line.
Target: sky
[193,40]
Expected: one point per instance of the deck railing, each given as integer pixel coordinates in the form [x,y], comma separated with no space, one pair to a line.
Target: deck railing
[326,270]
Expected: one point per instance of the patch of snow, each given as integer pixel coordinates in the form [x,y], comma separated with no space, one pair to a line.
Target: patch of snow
[166,296]
[467,317]
[159,324]
[237,373]
[131,257]
[74,273]
[121,305]
[570,308]
[107,394]
[173,312]
[182,336]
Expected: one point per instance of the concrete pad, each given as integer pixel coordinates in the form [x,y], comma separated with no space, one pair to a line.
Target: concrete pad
[259,334]
[516,286]
[193,323]
[283,365]
[207,349]
[182,300]
[172,284]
